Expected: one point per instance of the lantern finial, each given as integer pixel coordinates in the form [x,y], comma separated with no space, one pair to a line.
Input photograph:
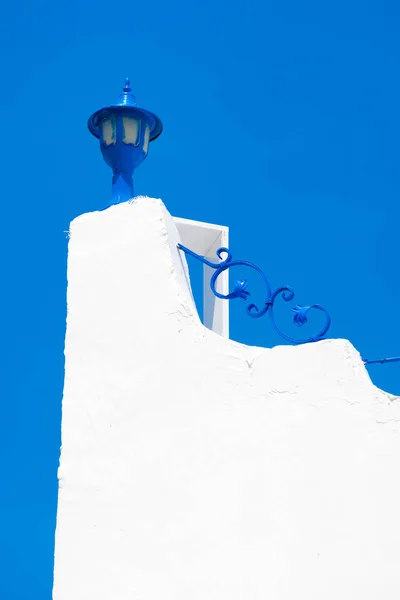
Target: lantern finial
[126,98]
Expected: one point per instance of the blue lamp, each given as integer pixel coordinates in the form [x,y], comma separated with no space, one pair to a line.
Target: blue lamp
[124,131]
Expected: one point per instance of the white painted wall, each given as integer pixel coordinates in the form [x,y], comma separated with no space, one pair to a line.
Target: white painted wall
[195,468]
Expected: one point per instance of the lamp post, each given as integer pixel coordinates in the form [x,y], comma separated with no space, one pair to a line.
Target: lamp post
[124,131]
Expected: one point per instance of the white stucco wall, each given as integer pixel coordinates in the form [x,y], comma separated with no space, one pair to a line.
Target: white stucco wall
[195,468]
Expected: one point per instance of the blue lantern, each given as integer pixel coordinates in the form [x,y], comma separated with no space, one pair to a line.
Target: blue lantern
[124,131]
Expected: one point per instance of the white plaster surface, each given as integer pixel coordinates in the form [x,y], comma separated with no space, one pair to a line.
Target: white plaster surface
[196,468]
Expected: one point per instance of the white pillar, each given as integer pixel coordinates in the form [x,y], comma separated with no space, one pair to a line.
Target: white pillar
[205,239]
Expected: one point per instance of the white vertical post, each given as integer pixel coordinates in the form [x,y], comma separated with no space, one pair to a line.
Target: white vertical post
[216,310]
[205,239]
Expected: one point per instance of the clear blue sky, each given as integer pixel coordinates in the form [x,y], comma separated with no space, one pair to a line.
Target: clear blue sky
[281,120]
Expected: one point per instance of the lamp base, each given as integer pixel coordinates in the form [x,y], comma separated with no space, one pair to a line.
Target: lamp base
[122,187]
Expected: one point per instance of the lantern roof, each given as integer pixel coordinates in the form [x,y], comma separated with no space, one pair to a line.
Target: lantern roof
[127,104]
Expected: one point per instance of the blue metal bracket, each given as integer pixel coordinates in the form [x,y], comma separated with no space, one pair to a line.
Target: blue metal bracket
[240,291]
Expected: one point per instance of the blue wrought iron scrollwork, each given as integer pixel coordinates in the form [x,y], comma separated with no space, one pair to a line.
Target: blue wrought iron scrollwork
[240,291]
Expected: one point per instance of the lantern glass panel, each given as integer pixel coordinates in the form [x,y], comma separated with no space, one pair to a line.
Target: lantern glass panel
[131,130]
[146,138]
[109,131]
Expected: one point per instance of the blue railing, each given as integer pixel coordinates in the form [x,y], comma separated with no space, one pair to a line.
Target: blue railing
[381,361]
[240,290]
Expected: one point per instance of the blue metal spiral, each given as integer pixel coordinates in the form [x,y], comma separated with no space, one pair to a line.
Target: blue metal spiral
[240,291]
